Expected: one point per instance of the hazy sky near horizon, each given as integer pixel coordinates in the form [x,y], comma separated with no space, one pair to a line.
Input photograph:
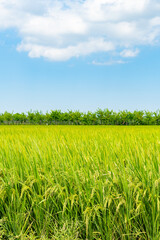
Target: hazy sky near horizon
[79,55]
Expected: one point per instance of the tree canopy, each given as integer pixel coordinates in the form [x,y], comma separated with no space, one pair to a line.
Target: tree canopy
[99,117]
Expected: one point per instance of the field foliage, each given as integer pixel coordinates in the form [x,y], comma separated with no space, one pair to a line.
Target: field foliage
[79,182]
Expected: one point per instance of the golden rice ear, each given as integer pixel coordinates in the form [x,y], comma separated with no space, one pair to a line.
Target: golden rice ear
[71,182]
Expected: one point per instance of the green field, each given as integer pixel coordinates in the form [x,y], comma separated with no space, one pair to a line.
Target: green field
[79,182]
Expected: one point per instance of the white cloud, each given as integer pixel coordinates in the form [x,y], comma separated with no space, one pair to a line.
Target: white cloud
[60,54]
[155,21]
[109,63]
[128,53]
[60,30]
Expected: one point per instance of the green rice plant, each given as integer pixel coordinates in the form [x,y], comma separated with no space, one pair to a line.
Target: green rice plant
[80,182]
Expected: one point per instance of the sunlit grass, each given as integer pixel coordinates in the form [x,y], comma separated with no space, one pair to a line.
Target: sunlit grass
[77,182]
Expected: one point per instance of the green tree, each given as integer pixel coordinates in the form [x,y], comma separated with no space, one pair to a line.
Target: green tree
[56,116]
[149,118]
[100,116]
[156,116]
[138,117]
[8,117]
[31,118]
[39,117]
[1,119]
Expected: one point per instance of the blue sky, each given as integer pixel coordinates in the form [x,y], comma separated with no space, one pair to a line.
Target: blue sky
[41,70]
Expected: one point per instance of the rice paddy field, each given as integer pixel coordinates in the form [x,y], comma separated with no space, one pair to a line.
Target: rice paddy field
[79,182]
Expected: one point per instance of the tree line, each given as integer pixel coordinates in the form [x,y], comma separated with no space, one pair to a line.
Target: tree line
[99,117]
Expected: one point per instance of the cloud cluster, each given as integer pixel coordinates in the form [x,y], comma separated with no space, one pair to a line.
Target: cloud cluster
[61,29]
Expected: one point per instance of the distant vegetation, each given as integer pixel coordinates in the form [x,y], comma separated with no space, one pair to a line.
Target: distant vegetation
[100,117]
